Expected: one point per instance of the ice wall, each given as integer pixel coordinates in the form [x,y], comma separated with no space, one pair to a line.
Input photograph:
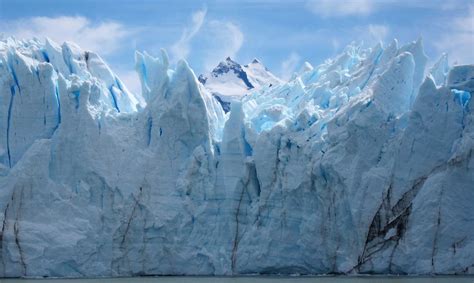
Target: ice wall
[362,164]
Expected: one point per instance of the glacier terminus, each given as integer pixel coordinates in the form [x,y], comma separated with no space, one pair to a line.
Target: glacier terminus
[361,165]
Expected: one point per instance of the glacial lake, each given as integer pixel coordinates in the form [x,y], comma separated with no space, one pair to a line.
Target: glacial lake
[261,279]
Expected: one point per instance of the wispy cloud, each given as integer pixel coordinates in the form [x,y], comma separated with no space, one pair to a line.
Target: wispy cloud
[130,79]
[458,39]
[211,39]
[332,41]
[342,8]
[289,65]
[337,8]
[181,49]
[223,39]
[104,37]
[377,32]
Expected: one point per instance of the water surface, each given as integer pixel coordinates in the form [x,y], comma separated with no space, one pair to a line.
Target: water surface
[260,279]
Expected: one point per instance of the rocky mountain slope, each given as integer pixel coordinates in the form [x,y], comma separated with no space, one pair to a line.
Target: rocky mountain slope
[230,81]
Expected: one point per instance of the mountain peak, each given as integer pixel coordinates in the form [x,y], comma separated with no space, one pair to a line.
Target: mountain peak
[227,66]
[229,81]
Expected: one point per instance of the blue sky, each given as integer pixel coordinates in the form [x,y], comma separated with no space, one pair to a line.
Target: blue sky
[282,34]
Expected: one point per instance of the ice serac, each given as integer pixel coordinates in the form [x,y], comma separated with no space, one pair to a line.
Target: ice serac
[363,164]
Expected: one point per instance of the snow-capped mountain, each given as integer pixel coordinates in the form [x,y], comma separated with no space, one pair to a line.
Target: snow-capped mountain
[363,164]
[230,81]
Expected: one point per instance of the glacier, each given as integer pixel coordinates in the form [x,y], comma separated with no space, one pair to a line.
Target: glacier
[361,165]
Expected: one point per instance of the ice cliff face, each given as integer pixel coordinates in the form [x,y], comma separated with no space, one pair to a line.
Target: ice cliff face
[363,164]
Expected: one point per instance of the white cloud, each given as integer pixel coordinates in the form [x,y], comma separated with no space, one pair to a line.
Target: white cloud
[181,49]
[458,39]
[289,65]
[130,79]
[104,37]
[378,32]
[335,44]
[340,8]
[223,39]
[210,40]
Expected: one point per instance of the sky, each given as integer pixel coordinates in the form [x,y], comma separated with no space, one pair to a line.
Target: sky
[281,34]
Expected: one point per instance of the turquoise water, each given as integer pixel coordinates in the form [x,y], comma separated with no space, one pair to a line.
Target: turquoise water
[335,279]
